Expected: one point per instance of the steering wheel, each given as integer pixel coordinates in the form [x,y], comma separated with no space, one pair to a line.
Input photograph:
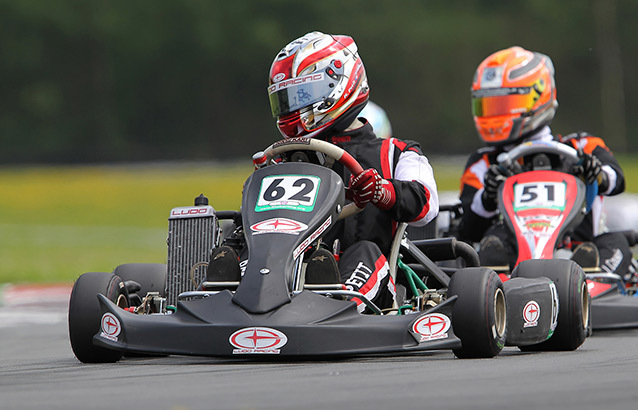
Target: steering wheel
[508,159]
[330,150]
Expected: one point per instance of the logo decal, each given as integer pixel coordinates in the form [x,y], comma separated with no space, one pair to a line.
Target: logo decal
[292,141]
[306,79]
[278,225]
[531,313]
[257,340]
[111,327]
[492,77]
[432,327]
[191,212]
[278,77]
[311,238]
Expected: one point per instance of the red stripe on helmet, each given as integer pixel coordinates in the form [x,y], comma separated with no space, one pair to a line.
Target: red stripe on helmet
[281,67]
[333,48]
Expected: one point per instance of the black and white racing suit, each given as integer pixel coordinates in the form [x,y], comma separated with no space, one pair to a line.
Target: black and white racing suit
[366,237]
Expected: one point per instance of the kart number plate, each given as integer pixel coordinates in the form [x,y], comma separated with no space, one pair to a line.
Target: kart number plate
[294,192]
[539,195]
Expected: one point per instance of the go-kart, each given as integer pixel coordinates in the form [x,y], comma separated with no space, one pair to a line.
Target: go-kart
[287,208]
[541,202]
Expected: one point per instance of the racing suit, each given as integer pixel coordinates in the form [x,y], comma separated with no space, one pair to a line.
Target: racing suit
[478,223]
[366,237]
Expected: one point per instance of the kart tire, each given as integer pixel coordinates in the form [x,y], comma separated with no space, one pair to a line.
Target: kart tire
[479,316]
[150,276]
[85,315]
[573,302]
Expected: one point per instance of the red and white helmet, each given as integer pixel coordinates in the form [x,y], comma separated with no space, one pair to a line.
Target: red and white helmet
[513,93]
[317,83]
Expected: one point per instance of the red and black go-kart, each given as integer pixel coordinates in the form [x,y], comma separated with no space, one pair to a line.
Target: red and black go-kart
[287,207]
[541,203]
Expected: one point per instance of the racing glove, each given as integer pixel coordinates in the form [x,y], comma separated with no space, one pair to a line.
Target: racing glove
[494,177]
[591,169]
[369,186]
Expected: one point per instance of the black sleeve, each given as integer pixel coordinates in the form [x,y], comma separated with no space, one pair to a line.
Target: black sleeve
[472,226]
[607,158]
[411,200]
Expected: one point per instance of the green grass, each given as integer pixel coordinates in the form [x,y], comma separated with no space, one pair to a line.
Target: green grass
[58,222]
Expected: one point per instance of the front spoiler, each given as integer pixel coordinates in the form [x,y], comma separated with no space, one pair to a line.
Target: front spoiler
[310,325]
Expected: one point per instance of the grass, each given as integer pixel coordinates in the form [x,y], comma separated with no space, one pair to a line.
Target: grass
[58,222]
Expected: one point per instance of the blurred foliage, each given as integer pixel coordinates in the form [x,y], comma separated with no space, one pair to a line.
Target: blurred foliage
[120,80]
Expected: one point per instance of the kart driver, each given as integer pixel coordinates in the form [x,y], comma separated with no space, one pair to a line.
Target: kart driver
[397,180]
[514,101]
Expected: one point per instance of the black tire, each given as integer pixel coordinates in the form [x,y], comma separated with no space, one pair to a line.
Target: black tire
[573,301]
[150,276]
[479,317]
[85,315]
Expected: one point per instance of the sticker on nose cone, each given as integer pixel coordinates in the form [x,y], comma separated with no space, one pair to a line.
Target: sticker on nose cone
[432,326]
[257,340]
[278,225]
[531,313]
[111,327]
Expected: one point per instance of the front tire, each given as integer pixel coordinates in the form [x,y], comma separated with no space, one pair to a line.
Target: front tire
[85,314]
[573,301]
[479,317]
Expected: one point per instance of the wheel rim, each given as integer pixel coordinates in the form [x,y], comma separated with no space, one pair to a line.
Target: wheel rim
[122,302]
[500,312]
[584,300]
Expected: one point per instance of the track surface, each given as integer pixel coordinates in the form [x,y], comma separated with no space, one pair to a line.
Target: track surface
[38,370]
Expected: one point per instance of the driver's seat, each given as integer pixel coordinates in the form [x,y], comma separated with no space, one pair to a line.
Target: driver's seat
[322,268]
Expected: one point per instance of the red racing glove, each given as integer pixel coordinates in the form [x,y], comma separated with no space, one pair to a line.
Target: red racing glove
[369,186]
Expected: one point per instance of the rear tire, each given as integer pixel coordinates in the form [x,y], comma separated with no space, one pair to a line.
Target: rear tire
[479,317]
[573,301]
[85,315]
[150,276]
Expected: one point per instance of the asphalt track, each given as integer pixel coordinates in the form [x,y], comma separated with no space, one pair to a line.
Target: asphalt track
[38,371]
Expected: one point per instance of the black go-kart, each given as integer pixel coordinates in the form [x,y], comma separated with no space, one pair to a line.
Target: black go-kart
[271,311]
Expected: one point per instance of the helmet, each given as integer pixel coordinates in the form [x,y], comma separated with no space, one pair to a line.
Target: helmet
[379,120]
[513,93]
[317,83]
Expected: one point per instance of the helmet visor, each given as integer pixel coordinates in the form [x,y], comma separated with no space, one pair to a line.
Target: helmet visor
[489,102]
[290,95]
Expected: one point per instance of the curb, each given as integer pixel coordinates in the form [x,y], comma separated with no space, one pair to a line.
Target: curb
[12,295]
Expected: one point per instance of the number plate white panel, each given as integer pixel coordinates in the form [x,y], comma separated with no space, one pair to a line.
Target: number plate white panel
[295,192]
[539,195]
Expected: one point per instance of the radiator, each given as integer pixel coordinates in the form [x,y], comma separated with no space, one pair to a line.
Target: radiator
[193,232]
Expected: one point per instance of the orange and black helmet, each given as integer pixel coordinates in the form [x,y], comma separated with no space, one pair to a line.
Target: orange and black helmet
[513,93]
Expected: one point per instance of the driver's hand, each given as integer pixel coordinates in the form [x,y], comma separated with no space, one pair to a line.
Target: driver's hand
[494,177]
[369,186]
[591,169]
